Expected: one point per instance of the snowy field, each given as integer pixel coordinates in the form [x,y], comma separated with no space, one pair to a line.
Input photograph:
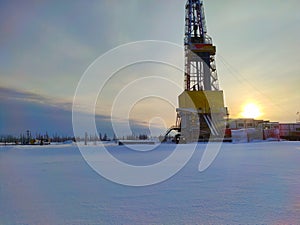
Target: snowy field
[256,183]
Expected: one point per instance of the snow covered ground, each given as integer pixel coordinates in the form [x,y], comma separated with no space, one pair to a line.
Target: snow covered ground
[256,183]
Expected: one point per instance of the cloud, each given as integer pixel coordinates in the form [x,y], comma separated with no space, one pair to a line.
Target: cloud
[21,111]
[13,95]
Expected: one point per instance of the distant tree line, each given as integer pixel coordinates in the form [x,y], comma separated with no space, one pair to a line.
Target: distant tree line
[136,137]
[28,138]
[105,137]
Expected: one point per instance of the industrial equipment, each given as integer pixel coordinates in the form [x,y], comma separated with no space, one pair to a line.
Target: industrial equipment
[201,113]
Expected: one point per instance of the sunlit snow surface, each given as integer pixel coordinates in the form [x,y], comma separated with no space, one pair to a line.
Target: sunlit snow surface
[257,183]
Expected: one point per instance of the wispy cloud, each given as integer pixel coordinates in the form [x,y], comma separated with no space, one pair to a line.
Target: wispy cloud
[10,94]
[22,110]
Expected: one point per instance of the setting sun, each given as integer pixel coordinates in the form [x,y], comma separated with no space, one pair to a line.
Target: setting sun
[251,111]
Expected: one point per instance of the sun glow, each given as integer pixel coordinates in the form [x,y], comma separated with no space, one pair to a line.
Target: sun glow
[251,110]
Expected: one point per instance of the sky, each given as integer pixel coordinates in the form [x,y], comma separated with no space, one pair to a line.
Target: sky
[46,46]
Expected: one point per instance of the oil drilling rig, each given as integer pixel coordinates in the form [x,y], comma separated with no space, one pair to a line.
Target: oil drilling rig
[201,113]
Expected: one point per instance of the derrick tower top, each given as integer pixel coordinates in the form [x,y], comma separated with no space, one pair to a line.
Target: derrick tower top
[200,69]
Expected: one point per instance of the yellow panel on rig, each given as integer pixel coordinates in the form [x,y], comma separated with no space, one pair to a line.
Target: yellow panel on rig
[206,101]
[199,47]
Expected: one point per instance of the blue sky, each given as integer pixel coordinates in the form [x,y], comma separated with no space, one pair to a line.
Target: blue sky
[47,45]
